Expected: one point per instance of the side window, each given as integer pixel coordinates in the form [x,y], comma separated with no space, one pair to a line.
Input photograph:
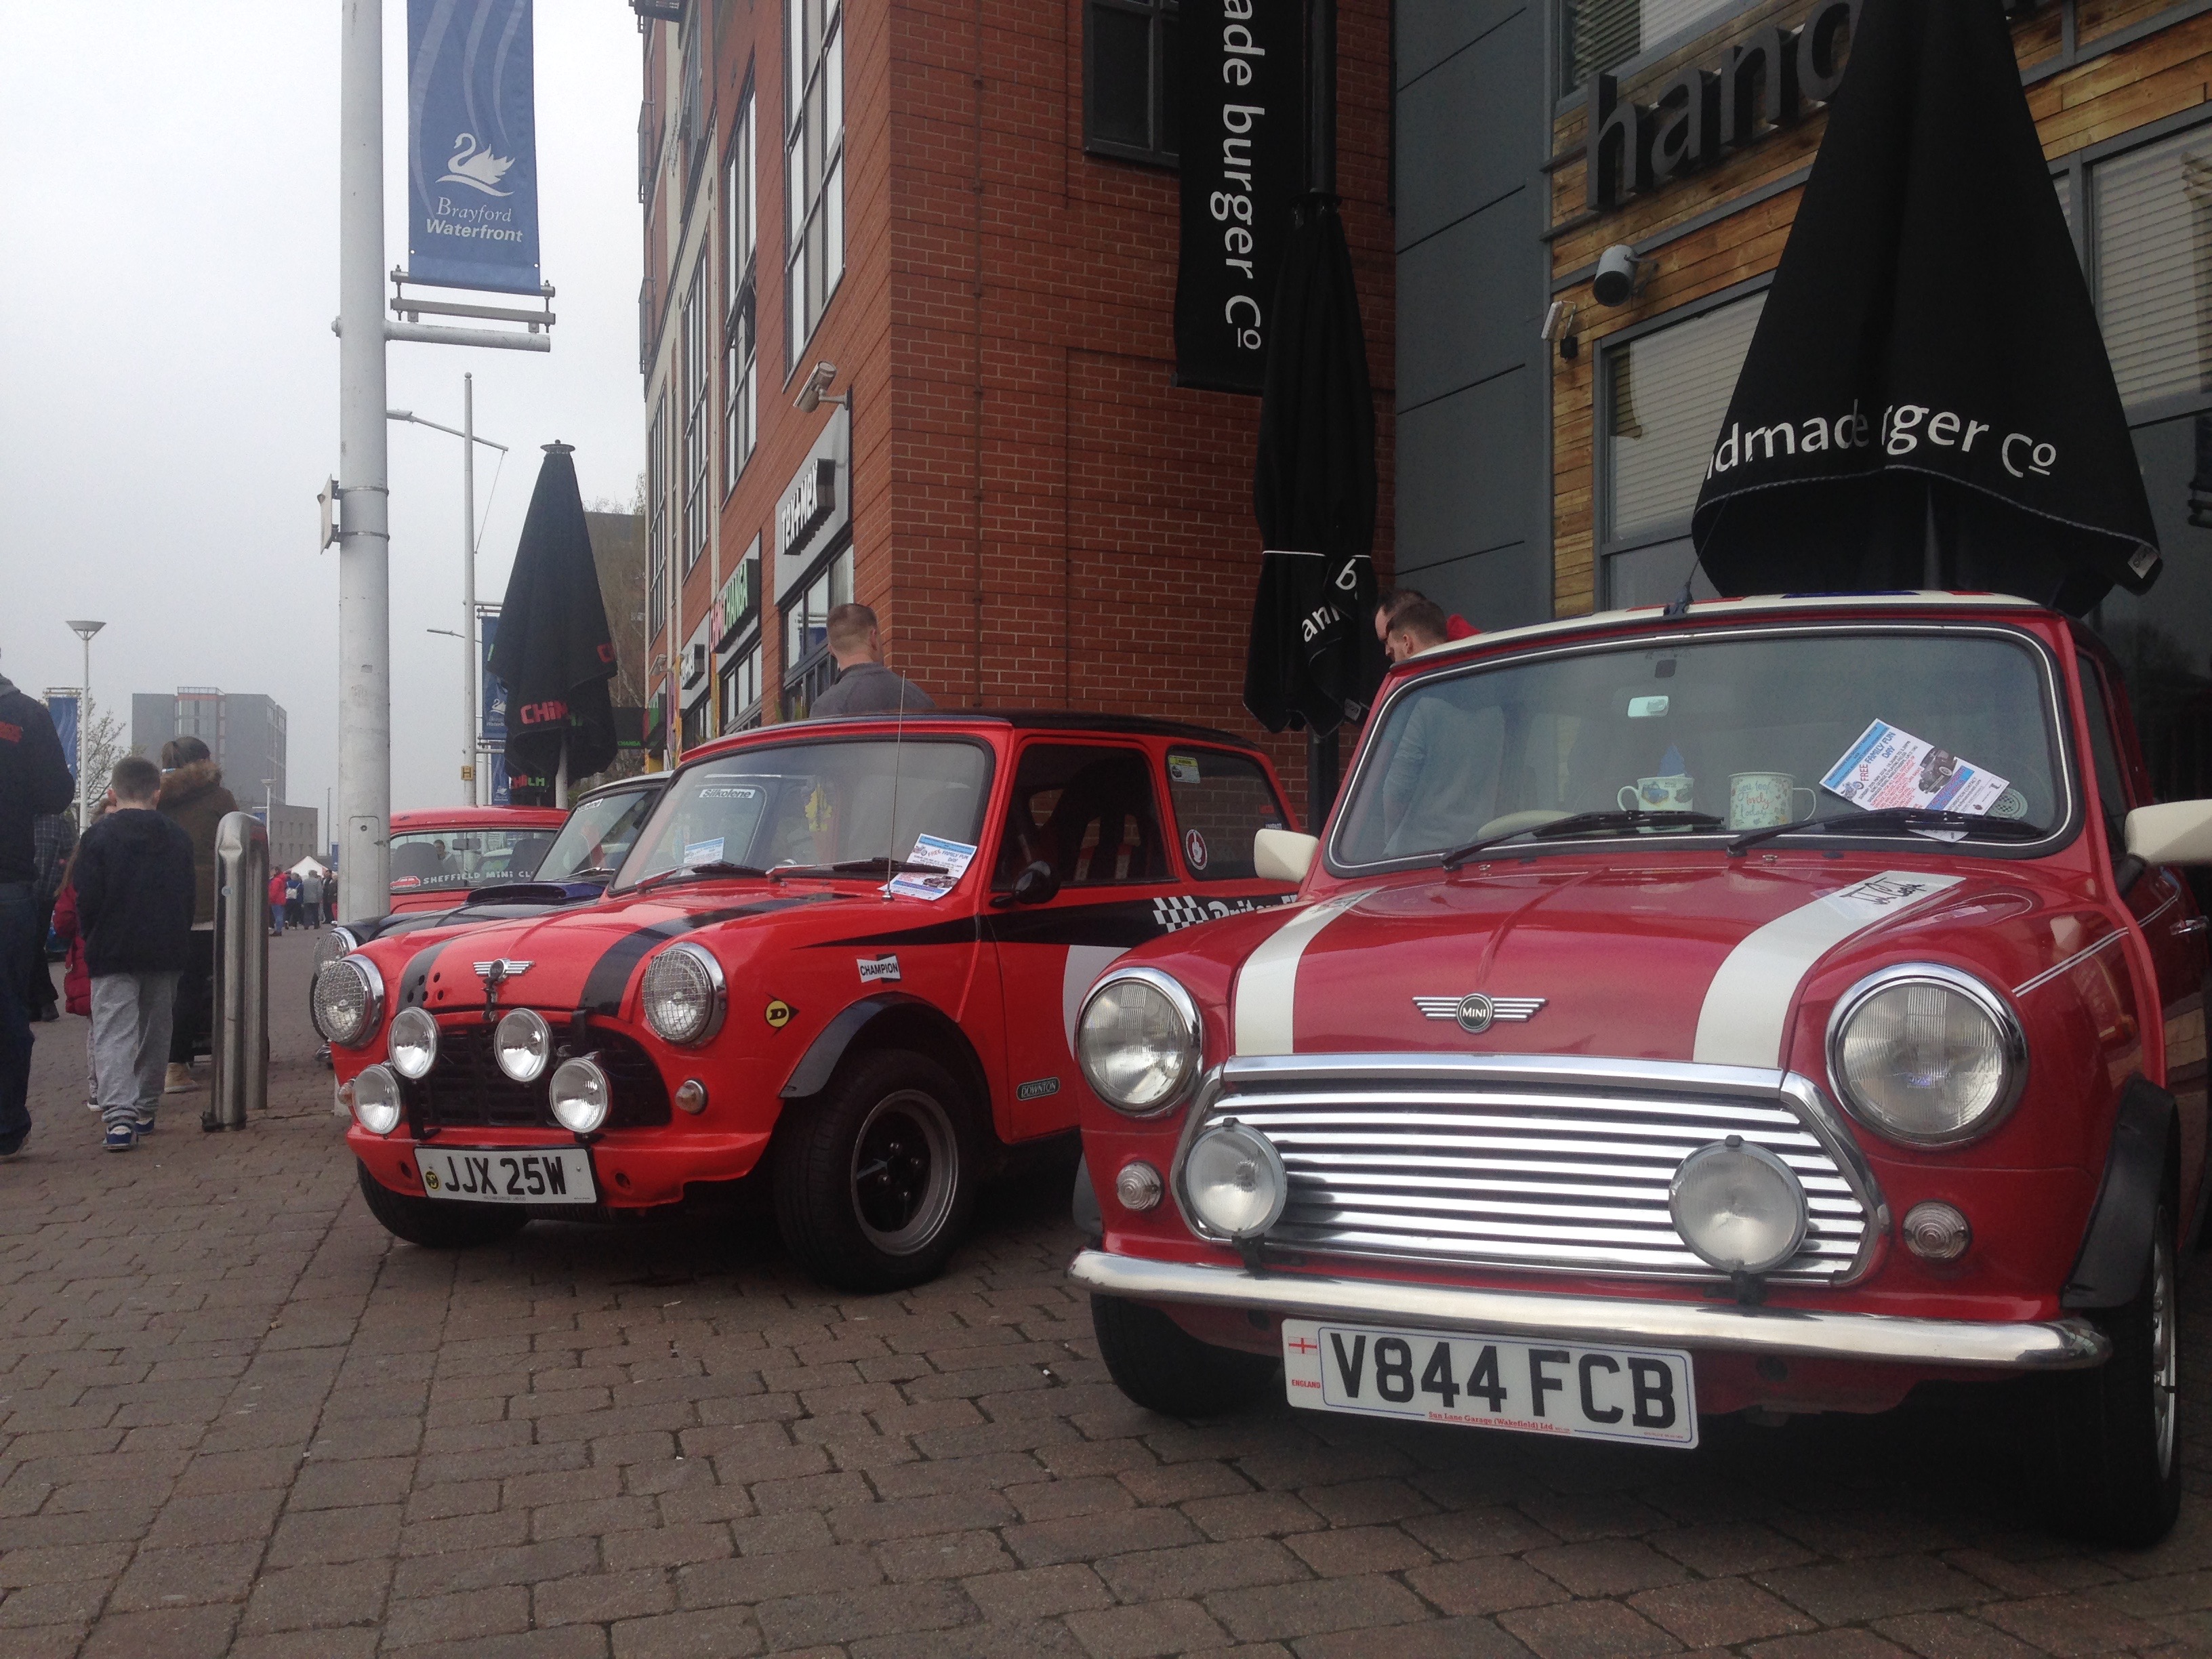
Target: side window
[1220,801]
[2103,748]
[1087,811]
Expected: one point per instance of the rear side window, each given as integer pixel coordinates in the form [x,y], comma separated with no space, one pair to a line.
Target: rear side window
[1220,800]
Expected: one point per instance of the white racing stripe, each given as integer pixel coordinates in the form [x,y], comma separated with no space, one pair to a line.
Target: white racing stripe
[1267,983]
[1748,1002]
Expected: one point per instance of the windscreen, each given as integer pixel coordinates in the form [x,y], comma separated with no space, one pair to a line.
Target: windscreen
[1756,730]
[815,804]
[598,836]
[430,860]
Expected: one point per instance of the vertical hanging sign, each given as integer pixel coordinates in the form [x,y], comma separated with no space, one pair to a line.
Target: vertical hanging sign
[1241,113]
[471,145]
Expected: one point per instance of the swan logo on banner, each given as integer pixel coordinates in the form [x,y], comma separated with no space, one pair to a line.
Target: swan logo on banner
[476,166]
[471,145]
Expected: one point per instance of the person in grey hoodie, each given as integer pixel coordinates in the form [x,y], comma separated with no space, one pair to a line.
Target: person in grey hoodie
[134,885]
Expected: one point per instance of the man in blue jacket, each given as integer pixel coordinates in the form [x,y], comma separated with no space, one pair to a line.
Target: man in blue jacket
[34,779]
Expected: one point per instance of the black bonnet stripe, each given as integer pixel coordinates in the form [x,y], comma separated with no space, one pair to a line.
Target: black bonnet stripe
[609,976]
[414,978]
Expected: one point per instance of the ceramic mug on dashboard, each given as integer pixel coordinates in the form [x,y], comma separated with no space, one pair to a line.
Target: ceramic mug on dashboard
[1666,795]
[1760,801]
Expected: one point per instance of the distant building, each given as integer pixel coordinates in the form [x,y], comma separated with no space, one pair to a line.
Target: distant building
[293,833]
[244,731]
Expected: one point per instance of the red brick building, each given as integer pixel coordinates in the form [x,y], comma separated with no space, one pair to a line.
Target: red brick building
[967,210]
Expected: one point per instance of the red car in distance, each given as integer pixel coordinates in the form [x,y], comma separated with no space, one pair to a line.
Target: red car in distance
[439,854]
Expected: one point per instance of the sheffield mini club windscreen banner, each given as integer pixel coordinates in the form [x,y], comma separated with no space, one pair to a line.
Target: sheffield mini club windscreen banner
[1241,120]
[471,145]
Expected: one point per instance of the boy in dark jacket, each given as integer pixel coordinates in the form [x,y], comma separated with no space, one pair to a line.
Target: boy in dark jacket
[134,885]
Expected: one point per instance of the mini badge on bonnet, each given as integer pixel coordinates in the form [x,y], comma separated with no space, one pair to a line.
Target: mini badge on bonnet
[1477,1012]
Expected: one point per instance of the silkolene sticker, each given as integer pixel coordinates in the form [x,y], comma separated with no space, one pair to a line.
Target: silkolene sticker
[1183,768]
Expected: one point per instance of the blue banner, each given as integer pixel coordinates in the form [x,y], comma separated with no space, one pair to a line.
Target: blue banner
[502,792]
[494,700]
[63,708]
[471,145]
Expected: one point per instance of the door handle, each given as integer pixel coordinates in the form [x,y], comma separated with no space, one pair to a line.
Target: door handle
[2189,926]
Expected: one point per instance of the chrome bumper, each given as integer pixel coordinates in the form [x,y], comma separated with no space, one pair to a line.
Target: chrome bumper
[2059,1345]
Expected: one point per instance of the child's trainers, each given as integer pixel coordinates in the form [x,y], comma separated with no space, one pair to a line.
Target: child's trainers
[121,1137]
[145,1124]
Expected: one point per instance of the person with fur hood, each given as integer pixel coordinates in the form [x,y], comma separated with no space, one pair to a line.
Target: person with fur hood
[193,797]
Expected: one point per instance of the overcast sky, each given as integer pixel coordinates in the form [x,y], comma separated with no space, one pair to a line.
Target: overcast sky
[168,378]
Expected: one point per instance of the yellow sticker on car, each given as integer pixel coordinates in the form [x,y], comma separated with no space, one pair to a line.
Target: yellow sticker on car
[778,1014]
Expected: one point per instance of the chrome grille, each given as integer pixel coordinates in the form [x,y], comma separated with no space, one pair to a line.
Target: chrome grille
[1529,1165]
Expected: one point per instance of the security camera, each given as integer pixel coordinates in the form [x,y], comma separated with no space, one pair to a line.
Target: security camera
[1619,274]
[816,390]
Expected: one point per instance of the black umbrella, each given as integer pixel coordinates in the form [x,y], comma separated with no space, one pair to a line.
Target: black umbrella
[1314,657]
[1927,400]
[554,651]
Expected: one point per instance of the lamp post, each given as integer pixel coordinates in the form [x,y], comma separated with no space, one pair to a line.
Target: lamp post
[84,630]
[467,434]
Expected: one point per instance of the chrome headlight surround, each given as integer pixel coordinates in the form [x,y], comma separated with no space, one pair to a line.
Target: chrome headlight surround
[522,1044]
[374,1097]
[683,996]
[1247,1159]
[2009,1037]
[580,1096]
[347,1015]
[410,1047]
[1092,1048]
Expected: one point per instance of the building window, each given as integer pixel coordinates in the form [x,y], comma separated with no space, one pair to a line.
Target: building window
[1128,80]
[2153,266]
[740,279]
[807,665]
[1665,394]
[656,498]
[694,723]
[814,165]
[697,378]
[741,692]
[1600,34]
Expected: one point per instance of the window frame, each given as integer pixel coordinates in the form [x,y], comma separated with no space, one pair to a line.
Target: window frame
[1002,880]
[656,467]
[741,292]
[801,80]
[804,676]
[695,380]
[1161,68]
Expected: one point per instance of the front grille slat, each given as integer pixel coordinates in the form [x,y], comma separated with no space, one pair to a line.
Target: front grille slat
[1502,1173]
[465,1089]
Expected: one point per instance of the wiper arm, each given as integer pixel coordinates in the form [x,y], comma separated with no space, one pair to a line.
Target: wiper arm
[584,875]
[1583,824]
[692,872]
[846,867]
[1885,820]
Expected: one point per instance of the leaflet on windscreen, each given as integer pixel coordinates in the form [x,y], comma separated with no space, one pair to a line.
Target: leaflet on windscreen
[948,861]
[1889,767]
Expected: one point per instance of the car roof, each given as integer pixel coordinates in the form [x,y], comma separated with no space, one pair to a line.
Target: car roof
[637,785]
[477,818]
[1020,719]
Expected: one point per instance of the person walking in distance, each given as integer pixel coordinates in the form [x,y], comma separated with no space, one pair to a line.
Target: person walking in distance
[280,903]
[864,685]
[135,884]
[311,899]
[193,798]
[34,779]
[293,895]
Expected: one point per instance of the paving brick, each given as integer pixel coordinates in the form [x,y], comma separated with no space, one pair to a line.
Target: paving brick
[1607,1566]
[943,1555]
[2073,1625]
[1038,1592]
[850,1615]
[568,1642]
[1252,1514]
[1485,1584]
[755,1578]
[1828,1644]
[496,1610]
[1439,1638]
[336,1535]
[1849,1592]
[318,1597]
[1286,1612]
[1088,1537]
[308,1645]
[1952,1636]
[1586,1630]
[1719,1613]
[719,1633]
[1199,1568]
[1349,1550]
[193,1574]
[1721,1548]
[1156,1627]
[598,1598]
[201,1632]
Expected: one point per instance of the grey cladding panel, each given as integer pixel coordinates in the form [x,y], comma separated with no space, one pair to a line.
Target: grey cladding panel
[1430,30]
[1470,301]
[1505,587]
[1472,130]
[1466,464]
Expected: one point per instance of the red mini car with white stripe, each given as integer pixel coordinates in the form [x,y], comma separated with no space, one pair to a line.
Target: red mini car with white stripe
[1761,1009]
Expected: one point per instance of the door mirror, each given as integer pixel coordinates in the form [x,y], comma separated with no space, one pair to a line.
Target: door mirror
[1037,883]
[2177,832]
[1283,854]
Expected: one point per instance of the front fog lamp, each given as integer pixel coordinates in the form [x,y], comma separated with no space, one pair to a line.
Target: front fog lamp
[523,1044]
[1925,1054]
[684,995]
[1738,1207]
[580,1096]
[1138,1042]
[412,1043]
[1235,1180]
[347,1000]
[376,1100]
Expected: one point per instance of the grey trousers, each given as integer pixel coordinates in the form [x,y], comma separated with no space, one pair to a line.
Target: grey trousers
[130,1019]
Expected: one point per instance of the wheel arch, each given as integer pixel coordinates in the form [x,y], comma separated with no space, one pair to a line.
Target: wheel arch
[2141,1172]
[892,1020]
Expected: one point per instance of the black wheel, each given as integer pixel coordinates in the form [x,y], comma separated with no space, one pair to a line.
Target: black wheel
[1165,1368]
[2118,1427]
[875,1181]
[433,1223]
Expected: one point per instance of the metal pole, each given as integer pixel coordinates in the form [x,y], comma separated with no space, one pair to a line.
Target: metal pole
[241,973]
[469,581]
[83,747]
[364,542]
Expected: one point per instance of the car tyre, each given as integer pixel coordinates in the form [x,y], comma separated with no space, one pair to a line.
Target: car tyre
[875,1181]
[2117,1428]
[1163,1368]
[436,1224]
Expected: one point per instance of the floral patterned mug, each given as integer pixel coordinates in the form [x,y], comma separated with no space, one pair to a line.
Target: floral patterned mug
[1760,801]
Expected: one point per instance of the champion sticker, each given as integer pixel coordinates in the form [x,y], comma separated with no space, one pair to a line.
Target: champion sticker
[1038,1089]
[778,1014]
[877,970]
[1193,848]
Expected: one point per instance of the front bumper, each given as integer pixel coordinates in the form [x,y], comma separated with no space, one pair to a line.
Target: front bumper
[2057,1344]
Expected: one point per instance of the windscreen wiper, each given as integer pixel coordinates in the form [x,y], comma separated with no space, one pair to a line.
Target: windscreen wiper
[1889,820]
[712,867]
[1584,823]
[848,867]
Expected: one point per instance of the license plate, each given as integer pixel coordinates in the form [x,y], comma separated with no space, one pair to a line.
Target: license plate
[488,1175]
[1644,1395]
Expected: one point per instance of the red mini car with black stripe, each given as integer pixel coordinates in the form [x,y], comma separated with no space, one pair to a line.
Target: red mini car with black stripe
[1763,1009]
[842,959]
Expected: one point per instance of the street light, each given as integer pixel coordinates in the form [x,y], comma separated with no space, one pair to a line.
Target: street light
[467,432]
[84,630]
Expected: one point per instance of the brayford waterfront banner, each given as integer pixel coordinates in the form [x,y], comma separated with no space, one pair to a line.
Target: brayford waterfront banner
[471,145]
[1240,104]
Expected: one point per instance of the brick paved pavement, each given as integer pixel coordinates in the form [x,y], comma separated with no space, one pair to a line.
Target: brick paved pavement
[235,1417]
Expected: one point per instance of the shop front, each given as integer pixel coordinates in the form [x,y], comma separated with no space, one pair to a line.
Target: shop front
[814,562]
[737,648]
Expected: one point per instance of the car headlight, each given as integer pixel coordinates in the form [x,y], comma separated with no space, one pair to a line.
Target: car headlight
[1739,1207]
[1138,1042]
[522,1042]
[685,995]
[376,1100]
[348,1002]
[1235,1181]
[580,1096]
[1925,1054]
[412,1045]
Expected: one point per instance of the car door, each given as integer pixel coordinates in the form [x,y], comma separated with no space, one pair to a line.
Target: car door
[1219,800]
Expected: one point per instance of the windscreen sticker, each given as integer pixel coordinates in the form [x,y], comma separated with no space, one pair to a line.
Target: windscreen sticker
[1193,848]
[1888,768]
[948,861]
[702,851]
[728,792]
[1183,768]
